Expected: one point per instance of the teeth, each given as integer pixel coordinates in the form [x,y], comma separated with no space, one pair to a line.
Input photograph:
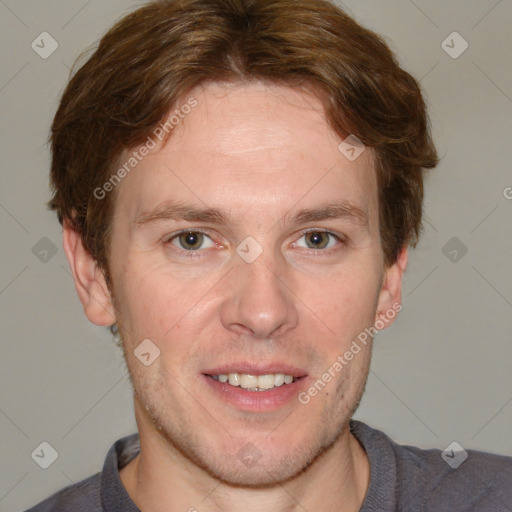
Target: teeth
[279,379]
[234,379]
[255,382]
[248,381]
[266,381]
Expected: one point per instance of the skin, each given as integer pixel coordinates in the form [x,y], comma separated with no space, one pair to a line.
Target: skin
[261,153]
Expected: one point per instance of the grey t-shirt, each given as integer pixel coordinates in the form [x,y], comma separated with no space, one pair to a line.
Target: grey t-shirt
[402,478]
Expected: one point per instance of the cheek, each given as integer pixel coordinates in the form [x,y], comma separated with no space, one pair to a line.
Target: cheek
[152,302]
[142,300]
[346,300]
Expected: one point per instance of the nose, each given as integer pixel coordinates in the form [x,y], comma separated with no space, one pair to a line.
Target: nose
[259,301]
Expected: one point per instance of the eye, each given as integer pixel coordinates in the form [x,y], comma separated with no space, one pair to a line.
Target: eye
[191,241]
[317,239]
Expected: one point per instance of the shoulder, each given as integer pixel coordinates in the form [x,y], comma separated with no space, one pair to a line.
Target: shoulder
[453,479]
[83,496]
[90,494]
[456,479]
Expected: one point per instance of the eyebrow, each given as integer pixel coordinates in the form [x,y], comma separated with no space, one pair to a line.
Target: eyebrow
[188,212]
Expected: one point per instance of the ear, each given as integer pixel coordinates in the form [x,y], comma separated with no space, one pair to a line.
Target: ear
[89,279]
[390,297]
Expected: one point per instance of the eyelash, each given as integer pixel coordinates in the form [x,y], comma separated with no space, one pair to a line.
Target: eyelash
[197,253]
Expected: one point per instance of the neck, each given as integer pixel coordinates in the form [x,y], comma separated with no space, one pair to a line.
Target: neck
[161,479]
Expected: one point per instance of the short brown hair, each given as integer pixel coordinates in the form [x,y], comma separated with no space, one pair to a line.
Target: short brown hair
[154,56]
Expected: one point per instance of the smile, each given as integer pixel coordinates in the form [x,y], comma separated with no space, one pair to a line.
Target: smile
[254,382]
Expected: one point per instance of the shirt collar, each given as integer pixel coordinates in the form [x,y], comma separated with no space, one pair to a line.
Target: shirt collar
[380,496]
[378,448]
[114,497]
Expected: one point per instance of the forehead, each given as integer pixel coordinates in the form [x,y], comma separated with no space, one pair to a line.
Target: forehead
[256,149]
[247,118]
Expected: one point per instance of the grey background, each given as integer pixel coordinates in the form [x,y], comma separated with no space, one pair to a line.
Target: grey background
[441,373]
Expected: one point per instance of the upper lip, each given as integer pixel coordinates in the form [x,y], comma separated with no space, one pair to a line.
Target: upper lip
[256,369]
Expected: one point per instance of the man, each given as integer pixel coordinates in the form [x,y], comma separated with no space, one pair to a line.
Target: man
[238,183]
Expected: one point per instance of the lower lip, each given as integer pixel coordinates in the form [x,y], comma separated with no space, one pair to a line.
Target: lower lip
[257,401]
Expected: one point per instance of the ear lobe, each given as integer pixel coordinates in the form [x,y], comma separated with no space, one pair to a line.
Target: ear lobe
[89,279]
[390,298]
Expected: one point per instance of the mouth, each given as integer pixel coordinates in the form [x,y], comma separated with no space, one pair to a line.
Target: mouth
[253,388]
[255,382]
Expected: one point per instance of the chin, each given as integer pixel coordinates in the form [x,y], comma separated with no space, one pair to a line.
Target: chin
[251,467]
[249,454]
[273,469]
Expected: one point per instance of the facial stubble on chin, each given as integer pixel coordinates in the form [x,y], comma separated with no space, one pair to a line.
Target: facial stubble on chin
[188,444]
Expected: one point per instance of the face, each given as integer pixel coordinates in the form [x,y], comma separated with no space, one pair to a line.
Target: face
[248,249]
